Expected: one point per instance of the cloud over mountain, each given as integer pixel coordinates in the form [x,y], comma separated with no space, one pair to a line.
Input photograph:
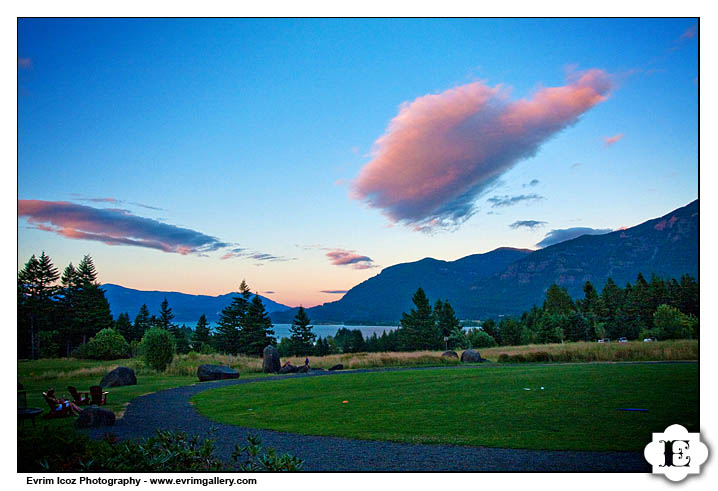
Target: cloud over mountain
[532,224]
[561,235]
[442,151]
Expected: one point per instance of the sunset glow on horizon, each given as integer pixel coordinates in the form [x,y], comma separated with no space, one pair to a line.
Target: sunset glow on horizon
[306,155]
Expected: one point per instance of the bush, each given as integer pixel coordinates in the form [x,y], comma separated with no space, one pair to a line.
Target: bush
[480,339]
[503,358]
[167,451]
[207,350]
[158,348]
[108,344]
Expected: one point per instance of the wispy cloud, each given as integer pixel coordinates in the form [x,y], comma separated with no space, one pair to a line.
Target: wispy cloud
[534,182]
[689,33]
[532,224]
[269,292]
[114,227]
[576,165]
[342,257]
[506,200]
[442,151]
[334,292]
[115,201]
[610,140]
[243,253]
[24,63]
[561,235]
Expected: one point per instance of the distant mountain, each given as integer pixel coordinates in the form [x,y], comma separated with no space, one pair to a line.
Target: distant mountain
[666,246]
[385,296]
[509,281]
[186,308]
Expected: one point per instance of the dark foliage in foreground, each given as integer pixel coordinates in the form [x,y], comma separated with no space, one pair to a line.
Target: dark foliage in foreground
[40,450]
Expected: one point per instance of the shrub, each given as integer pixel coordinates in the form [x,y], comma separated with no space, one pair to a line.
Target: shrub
[480,339]
[158,348]
[503,358]
[207,349]
[108,344]
[256,460]
[167,451]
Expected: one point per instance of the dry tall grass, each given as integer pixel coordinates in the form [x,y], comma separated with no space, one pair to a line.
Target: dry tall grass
[186,365]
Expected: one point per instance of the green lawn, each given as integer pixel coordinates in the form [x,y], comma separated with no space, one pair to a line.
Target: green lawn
[485,406]
[39,375]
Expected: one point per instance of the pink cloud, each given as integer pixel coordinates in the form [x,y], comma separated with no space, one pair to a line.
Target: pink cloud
[610,140]
[342,257]
[442,151]
[690,33]
[114,227]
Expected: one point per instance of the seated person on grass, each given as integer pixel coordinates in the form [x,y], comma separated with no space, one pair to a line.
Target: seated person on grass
[62,404]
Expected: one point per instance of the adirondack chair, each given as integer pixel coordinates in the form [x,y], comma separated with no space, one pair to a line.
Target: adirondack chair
[99,398]
[79,398]
[54,411]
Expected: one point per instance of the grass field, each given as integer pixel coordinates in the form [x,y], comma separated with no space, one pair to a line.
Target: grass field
[485,406]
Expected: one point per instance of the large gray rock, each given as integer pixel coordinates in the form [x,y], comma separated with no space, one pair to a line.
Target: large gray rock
[337,367]
[94,416]
[271,363]
[450,354]
[118,377]
[303,369]
[471,356]
[206,373]
[288,369]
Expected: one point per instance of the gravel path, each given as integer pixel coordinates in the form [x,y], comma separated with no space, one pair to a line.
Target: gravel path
[170,409]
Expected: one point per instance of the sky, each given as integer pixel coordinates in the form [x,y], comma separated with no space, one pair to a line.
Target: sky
[306,155]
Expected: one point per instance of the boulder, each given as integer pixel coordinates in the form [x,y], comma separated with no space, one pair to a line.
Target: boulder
[206,373]
[450,354]
[303,369]
[337,367]
[471,356]
[271,363]
[289,368]
[118,377]
[94,416]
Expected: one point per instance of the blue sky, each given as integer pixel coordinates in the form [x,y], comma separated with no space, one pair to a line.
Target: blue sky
[259,134]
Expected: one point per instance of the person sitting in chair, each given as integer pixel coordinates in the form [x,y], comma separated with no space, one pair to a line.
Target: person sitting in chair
[62,404]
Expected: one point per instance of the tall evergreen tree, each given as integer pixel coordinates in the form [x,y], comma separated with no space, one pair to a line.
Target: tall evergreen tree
[166,316]
[558,301]
[228,336]
[201,334]
[143,322]
[489,327]
[448,325]
[91,310]
[590,303]
[302,337]
[257,330]
[36,292]
[417,329]
[124,326]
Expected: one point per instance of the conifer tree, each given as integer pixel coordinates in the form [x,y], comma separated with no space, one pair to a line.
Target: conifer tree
[142,323]
[228,331]
[36,302]
[201,334]
[257,330]
[418,329]
[302,337]
[449,325]
[124,326]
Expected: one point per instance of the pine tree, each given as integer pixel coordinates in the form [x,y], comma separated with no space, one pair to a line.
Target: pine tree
[302,337]
[124,326]
[257,330]
[201,334]
[418,329]
[558,301]
[166,316]
[91,309]
[590,302]
[36,292]
[143,322]
[228,331]
[448,325]
[489,327]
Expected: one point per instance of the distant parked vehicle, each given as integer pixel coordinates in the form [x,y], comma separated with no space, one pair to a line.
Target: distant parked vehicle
[622,340]
[604,340]
[649,340]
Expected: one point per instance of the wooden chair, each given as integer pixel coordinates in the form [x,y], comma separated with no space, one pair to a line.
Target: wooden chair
[99,398]
[54,411]
[79,398]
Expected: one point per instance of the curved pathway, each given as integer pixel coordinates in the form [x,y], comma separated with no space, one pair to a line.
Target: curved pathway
[170,410]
